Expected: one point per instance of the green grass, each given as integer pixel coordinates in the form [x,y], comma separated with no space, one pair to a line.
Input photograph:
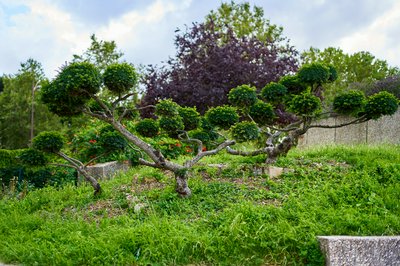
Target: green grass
[233,217]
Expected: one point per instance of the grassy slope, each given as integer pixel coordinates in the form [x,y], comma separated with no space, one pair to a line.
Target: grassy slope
[233,217]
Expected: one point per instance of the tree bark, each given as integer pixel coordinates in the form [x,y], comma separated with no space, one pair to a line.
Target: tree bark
[81,168]
[182,187]
[93,182]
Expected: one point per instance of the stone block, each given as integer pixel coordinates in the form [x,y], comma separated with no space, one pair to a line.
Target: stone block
[361,251]
[106,170]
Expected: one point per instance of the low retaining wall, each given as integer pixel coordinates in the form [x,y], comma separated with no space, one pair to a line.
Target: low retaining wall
[106,170]
[383,130]
[365,251]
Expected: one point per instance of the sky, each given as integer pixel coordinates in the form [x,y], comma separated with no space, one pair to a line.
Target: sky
[51,31]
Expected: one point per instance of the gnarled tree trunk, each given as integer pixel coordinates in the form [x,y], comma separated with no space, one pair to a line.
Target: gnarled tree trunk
[182,187]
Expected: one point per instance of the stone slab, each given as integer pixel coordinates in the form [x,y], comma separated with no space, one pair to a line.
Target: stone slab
[361,251]
[106,170]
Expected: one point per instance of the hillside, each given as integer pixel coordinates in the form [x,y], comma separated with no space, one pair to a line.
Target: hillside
[234,217]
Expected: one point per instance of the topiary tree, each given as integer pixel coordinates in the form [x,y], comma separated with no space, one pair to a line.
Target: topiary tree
[300,96]
[73,95]
[53,142]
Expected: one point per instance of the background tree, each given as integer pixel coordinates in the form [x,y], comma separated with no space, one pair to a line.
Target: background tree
[100,53]
[245,21]
[211,59]
[76,89]
[298,95]
[360,67]
[18,102]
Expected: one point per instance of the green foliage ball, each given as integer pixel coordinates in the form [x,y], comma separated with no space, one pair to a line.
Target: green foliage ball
[32,157]
[171,125]
[293,84]
[190,117]
[381,103]
[112,141]
[167,108]
[60,102]
[314,73]
[202,135]
[305,104]
[349,103]
[262,113]
[48,141]
[242,96]
[245,131]
[274,92]
[120,77]
[79,79]
[147,128]
[222,116]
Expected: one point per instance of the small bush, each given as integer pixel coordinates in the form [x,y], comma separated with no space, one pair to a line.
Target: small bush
[112,141]
[349,103]
[245,131]
[32,157]
[243,96]
[305,104]
[79,78]
[293,84]
[171,125]
[147,128]
[262,113]
[50,141]
[120,77]
[314,73]
[167,108]
[190,117]
[222,116]
[274,92]
[382,103]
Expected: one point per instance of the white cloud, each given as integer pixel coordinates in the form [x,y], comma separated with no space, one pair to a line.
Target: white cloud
[381,37]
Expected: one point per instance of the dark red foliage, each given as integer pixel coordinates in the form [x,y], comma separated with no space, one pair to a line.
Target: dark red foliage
[210,63]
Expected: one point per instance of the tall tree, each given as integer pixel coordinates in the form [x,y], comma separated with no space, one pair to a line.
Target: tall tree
[360,67]
[212,59]
[100,53]
[22,115]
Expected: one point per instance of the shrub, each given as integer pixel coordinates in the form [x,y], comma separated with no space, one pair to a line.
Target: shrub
[274,92]
[120,77]
[382,103]
[305,104]
[167,108]
[262,113]
[50,141]
[222,116]
[293,84]
[242,96]
[245,131]
[349,103]
[32,157]
[190,117]
[171,125]
[112,141]
[314,73]
[147,128]
[79,79]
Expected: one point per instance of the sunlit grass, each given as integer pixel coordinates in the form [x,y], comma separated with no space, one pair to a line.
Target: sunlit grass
[233,218]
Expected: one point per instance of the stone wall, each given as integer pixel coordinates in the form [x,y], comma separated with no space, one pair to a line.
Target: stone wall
[361,250]
[383,130]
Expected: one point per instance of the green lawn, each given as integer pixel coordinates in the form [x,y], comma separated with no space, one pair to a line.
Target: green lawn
[233,218]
